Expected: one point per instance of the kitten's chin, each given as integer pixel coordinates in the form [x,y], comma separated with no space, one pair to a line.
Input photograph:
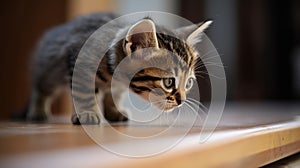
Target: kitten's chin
[169,110]
[169,107]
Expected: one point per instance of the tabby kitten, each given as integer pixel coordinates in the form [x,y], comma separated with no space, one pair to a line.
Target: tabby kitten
[57,52]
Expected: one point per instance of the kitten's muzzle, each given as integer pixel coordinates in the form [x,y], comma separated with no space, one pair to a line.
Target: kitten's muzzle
[179,99]
[174,101]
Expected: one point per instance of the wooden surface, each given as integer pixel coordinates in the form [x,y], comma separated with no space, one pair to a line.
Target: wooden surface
[288,162]
[247,136]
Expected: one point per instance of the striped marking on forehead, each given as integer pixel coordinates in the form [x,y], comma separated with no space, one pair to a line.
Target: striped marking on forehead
[178,48]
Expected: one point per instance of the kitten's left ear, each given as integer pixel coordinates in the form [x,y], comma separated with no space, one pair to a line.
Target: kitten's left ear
[141,35]
[193,33]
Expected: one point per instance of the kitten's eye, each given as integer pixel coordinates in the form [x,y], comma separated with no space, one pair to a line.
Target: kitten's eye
[168,82]
[189,83]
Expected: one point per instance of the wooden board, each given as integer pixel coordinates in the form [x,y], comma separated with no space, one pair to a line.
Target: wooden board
[242,139]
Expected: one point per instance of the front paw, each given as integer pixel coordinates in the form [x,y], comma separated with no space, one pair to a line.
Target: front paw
[113,115]
[85,118]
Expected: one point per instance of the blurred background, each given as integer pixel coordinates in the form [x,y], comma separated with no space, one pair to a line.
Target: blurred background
[258,40]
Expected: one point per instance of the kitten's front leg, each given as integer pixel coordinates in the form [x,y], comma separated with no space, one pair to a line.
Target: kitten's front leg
[85,118]
[87,108]
[111,104]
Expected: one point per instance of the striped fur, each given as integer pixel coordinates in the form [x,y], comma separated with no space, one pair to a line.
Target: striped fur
[160,65]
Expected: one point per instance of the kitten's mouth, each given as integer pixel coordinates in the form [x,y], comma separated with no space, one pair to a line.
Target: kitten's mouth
[169,106]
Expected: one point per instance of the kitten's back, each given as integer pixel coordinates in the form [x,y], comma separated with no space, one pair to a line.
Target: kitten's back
[58,49]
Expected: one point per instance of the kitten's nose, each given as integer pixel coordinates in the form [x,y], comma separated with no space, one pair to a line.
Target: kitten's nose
[180,98]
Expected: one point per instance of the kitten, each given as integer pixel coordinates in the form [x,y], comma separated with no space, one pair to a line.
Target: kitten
[57,52]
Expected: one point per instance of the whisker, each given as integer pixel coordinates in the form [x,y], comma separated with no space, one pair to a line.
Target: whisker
[161,105]
[203,60]
[186,113]
[186,105]
[202,65]
[195,102]
[212,57]
[209,58]
[207,53]
[209,64]
[199,73]
[202,115]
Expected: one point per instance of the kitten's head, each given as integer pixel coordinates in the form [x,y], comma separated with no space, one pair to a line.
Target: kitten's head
[165,61]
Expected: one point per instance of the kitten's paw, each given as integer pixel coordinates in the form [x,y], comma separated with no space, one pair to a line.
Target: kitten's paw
[37,117]
[114,116]
[85,118]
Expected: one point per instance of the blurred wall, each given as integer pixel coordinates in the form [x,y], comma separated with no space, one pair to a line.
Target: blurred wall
[80,7]
[22,24]
[258,41]
[268,37]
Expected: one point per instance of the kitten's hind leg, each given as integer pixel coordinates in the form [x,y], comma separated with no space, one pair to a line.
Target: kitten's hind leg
[111,112]
[39,107]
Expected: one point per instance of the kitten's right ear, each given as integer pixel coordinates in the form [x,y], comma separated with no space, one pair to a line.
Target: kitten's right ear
[141,35]
[193,33]
[196,35]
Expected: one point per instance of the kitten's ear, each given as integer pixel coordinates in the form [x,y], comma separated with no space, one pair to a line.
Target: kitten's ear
[193,33]
[141,35]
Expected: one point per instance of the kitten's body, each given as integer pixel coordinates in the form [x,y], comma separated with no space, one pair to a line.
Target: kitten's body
[55,56]
[57,52]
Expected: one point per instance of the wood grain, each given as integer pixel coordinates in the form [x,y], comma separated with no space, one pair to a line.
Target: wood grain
[236,142]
